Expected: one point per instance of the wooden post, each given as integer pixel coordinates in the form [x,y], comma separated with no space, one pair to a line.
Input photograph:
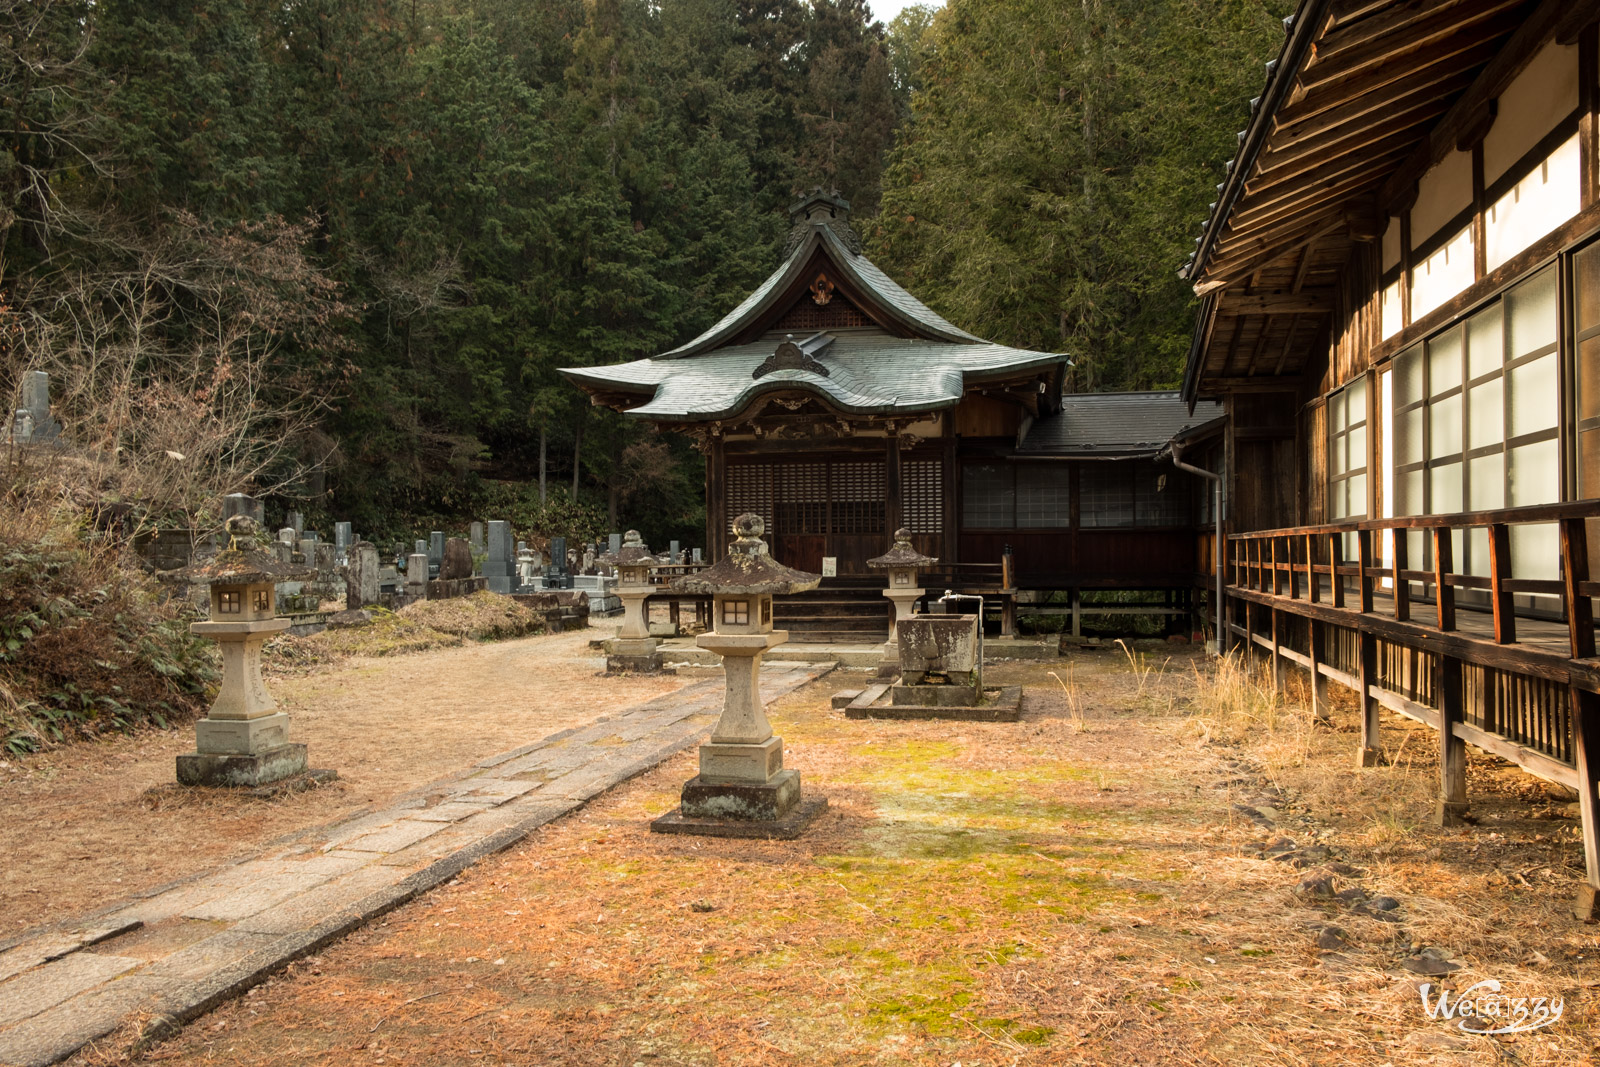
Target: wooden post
[717,517]
[1313,583]
[1277,653]
[1364,569]
[1319,681]
[1397,563]
[1452,750]
[1444,594]
[674,613]
[1293,571]
[1505,618]
[1367,677]
[1276,573]
[893,505]
[1586,749]
[1077,613]
[1336,557]
[1574,572]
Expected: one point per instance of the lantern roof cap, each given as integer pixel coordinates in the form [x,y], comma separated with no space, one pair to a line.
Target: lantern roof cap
[748,569]
[240,563]
[633,553]
[901,554]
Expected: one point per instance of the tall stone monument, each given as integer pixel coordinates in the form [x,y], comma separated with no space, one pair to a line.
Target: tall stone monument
[244,739]
[742,789]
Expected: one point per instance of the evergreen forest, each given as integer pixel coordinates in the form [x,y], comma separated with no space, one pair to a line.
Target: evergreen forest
[333,251]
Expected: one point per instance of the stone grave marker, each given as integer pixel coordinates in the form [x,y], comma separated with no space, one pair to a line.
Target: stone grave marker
[475,538]
[343,538]
[498,568]
[615,545]
[241,504]
[674,554]
[363,576]
[417,576]
[457,562]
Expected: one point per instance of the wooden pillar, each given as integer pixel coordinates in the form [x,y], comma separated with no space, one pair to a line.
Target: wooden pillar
[1575,572]
[1586,748]
[1077,613]
[1367,676]
[1335,558]
[1402,587]
[894,504]
[1277,650]
[717,517]
[674,617]
[1444,594]
[1505,618]
[1452,750]
[952,499]
[1319,681]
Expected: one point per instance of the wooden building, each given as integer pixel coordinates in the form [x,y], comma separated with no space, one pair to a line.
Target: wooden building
[838,407]
[1400,285]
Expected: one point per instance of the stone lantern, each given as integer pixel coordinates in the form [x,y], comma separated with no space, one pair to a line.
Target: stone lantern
[742,789]
[902,562]
[633,649]
[244,739]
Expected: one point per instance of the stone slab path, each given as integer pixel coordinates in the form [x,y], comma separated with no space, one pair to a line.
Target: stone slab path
[177,952]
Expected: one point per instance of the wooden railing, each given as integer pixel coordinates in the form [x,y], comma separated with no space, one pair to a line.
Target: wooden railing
[1292,562]
[1522,685]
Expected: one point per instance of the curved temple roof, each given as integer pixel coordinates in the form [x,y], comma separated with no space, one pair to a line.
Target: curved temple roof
[861,372]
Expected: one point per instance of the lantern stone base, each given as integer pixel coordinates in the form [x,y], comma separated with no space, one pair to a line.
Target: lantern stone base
[632,654]
[743,809]
[241,737]
[723,799]
[242,770]
[741,764]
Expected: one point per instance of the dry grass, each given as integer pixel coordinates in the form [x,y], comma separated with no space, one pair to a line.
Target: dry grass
[418,627]
[982,893]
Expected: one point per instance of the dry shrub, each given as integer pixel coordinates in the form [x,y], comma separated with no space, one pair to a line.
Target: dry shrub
[419,627]
[88,643]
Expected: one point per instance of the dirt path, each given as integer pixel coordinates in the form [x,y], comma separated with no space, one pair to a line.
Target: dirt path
[1088,886]
[79,831]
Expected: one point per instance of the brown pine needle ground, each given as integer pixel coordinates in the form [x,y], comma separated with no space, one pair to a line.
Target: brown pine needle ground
[1078,888]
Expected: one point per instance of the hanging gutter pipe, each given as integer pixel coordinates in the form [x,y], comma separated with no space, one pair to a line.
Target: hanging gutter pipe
[1220,612]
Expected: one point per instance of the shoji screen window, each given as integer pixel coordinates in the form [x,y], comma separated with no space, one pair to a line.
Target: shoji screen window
[1586,317]
[1347,451]
[1475,412]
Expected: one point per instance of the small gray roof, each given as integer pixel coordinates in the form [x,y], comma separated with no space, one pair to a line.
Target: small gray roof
[1116,424]
[869,373]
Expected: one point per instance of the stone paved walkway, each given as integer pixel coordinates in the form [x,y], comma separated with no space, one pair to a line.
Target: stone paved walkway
[175,953]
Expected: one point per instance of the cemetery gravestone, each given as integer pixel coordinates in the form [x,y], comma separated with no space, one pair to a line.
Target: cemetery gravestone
[363,576]
[498,568]
[457,562]
[248,506]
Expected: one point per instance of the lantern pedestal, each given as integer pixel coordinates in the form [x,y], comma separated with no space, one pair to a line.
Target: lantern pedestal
[244,739]
[905,602]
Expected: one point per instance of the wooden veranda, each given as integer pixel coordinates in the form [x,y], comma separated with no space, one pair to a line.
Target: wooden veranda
[1350,603]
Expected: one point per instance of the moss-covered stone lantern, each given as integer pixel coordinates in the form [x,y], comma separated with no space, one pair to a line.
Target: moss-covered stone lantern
[904,590]
[244,738]
[742,789]
[633,649]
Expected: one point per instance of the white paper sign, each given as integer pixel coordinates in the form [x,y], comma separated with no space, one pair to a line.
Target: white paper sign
[830,566]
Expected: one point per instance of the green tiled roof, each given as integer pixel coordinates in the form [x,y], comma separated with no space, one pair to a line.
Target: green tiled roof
[869,372]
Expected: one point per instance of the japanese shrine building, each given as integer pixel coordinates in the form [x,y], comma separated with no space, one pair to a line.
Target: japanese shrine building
[840,408]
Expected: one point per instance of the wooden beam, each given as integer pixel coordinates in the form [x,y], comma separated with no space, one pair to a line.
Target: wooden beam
[1288,344]
[1265,249]
[1375,80]
[1452,750]
[1575,572]
[1405,28]
[1278,302]
[1534,32]
[1351,137]
[1431,82]
[1262,384]
[1505,618]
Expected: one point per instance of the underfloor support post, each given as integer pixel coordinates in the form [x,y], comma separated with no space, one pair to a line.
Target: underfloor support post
[1319,681]
[1586,735]
[1366,678]
[1452,750]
